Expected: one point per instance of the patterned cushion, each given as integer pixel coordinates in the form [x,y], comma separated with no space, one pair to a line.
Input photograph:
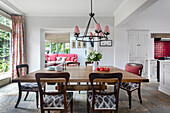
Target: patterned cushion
[129,85]
[29,86]
[102,101]
[57,101]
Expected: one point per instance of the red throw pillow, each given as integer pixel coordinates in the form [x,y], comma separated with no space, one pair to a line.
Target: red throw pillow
[68,58]
[72,58]
[132,69]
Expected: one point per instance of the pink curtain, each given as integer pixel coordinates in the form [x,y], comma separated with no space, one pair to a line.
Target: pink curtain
[17,43]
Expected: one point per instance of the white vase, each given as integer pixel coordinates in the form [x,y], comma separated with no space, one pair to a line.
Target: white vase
[94,65]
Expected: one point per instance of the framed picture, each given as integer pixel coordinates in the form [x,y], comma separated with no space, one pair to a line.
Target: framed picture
[83,44]
[73,44]
[78,44]
[107,43]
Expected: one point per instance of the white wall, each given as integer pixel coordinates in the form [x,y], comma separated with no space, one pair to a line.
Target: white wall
[155,19]
[36,26]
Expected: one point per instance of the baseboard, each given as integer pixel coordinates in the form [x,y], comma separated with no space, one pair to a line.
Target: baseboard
[164,90]
[5,81]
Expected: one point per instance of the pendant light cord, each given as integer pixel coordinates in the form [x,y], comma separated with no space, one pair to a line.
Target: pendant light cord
[91,6]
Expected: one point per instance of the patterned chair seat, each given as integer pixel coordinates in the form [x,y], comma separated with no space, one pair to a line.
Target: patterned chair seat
[102,101]
[57,101]
[29,86]
[129,85]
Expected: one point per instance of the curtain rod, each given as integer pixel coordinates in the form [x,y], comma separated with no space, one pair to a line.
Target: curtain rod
[10,13]
[5,12]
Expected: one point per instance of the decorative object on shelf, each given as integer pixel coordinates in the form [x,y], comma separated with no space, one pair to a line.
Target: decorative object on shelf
[78,44]
[101,35]
[84,45]
[94,56]
[107,43]
[73,44]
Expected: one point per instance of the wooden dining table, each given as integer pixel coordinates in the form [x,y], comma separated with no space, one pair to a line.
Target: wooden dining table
[81,74]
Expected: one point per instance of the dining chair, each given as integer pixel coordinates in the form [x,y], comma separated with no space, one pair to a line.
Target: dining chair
[132,86]
[86,63]
[25,87]
[103,100]
[73,64]
[55,100]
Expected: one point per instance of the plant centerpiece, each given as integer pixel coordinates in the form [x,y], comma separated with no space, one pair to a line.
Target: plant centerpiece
[94,56]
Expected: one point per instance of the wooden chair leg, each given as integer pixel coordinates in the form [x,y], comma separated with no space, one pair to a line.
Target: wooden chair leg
[26,96]
[19,98]
[88,106]
[42,111]
[71,106]
[78,83]
[139,95]
[130,98]
[37,98]
[116,111]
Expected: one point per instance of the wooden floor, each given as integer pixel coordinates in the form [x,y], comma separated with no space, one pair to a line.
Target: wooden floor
[153,101]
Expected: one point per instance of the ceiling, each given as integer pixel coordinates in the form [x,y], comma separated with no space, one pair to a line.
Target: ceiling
[66,7]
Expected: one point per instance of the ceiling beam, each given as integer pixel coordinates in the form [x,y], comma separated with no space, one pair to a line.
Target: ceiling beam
[129,9]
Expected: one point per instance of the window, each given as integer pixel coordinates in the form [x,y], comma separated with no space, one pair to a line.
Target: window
[5,37]
[58,48]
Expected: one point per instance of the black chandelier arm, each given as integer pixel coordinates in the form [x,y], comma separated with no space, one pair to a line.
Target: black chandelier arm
[95,20]
[87,28]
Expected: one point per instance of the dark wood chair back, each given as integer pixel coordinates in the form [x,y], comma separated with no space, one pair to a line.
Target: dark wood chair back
[136,64]
[63,75]
[101,76]
[77,63]
[18,67]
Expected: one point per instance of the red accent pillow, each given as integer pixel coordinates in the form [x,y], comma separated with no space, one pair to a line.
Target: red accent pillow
[68,58]
[72,58]
[132,69]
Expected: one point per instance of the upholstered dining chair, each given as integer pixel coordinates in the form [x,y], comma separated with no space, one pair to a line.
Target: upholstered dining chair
[103,100]
[55,100]
[25,87]
[132,86]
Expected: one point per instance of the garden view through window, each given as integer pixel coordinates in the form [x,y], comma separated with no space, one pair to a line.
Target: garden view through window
[5,37]
[57,48]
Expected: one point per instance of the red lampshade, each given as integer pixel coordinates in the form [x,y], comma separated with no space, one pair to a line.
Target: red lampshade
[100,34]
[76,29]
[90,34]
[106,30]
[98,28]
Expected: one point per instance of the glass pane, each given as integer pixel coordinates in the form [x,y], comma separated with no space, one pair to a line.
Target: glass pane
[47,47]
[60,47]
[54,47]
[4,52]
[5,21]
[67,48]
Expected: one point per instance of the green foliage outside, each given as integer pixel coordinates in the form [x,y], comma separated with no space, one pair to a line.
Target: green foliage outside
[4,45]
[4,51]
[60,47]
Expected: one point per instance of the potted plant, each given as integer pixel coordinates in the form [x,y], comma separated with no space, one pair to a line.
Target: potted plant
[94,56]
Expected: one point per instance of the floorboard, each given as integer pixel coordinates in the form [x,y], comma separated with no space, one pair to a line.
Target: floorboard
[153,101]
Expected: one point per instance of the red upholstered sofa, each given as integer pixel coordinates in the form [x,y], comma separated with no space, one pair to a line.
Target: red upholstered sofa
[51,59]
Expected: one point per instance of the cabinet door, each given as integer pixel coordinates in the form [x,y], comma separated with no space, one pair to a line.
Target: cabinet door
[142,44]
[153,70]
[133,41]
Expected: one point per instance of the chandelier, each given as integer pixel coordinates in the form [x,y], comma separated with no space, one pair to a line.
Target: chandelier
[98,36]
